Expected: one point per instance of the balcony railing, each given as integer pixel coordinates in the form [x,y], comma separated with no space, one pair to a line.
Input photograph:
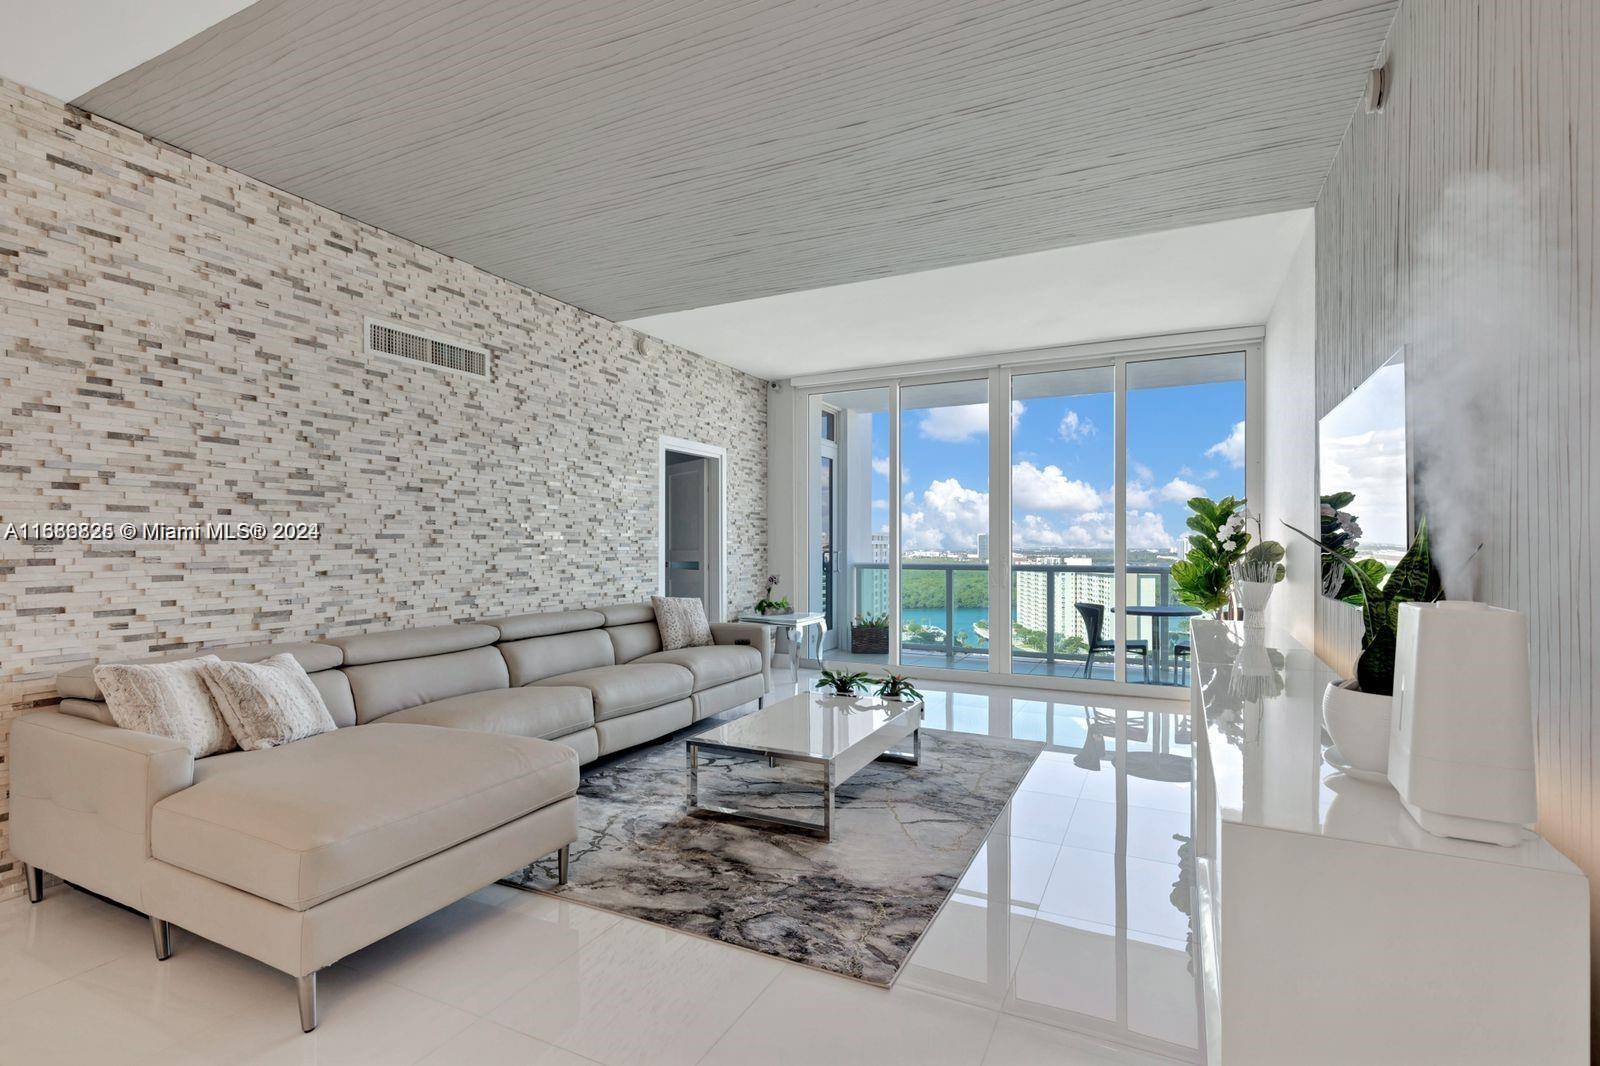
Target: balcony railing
[1062,641]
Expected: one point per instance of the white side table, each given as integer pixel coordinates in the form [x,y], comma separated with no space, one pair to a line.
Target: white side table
[795,625]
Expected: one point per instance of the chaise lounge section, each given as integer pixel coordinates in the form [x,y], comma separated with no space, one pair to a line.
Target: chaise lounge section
[455,761]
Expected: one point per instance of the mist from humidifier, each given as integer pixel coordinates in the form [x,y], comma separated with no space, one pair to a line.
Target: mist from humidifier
[1481,311]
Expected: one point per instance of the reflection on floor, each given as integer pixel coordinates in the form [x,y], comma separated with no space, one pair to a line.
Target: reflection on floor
[1075,911]
[1101,670]
[1065,942]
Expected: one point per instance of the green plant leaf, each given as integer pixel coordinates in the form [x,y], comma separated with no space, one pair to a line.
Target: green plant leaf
[1375,667]
[1413,575]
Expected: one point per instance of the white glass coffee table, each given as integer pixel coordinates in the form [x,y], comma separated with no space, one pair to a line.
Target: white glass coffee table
[841,735]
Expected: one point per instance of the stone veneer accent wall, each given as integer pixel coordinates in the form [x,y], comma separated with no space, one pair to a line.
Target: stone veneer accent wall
[182,343]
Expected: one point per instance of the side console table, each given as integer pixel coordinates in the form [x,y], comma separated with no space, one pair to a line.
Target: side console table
[1332,927]
[796,627]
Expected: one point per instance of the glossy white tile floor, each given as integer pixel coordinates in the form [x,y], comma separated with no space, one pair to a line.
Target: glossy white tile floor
[1062,944]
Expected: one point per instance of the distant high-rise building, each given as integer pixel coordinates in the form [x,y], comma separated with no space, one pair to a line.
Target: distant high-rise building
[1033,608]
[983,547]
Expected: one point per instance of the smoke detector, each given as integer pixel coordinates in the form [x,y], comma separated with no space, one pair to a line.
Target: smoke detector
[1377,89]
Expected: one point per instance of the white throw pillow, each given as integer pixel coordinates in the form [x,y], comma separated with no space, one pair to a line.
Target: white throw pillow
[682,621]
[268,703]
[167,699]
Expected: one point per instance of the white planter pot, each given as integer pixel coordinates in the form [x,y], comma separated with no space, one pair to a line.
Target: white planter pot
[1358,724]
[1252,596]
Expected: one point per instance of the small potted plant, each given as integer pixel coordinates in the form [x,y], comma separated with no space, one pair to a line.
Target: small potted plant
[843,683]
[869,634]
[898,687]
[1356,712]
[766,604]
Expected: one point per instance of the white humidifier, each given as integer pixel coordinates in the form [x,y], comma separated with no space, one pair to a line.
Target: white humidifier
[1461,730]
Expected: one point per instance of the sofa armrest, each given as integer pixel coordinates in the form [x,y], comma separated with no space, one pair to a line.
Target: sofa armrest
[754,634]
[81,796]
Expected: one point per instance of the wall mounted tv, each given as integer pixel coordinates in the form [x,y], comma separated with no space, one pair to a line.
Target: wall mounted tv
[1363,476]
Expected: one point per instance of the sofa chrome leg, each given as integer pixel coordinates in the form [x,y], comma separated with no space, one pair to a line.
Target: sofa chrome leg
[162,933]
[308,1002]
[563,863]
[34,878]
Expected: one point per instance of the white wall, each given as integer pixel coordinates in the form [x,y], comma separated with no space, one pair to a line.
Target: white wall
[1289,440]
[1462,223]
[786,532]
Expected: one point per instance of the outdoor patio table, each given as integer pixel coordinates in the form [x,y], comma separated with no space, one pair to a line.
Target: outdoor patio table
[1163,613]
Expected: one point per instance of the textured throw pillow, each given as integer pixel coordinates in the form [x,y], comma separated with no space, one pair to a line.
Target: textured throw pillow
[682,621]
[268,703]
[167,699]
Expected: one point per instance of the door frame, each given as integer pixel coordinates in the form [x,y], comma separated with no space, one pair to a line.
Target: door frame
[827,449]
[717,588]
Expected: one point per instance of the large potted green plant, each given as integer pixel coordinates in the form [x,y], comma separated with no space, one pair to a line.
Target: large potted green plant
[1356,712]
[1217,540]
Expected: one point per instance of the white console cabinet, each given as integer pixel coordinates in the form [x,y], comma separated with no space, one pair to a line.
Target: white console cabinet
[1333,928]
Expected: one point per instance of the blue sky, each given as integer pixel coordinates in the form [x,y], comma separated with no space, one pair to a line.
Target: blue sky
[1183,441]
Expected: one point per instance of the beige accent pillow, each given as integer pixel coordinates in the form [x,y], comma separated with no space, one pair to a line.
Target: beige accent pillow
[168,699]
[268,703]
[682,621]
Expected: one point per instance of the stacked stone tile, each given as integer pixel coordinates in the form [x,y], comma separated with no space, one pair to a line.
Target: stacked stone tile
[184,344]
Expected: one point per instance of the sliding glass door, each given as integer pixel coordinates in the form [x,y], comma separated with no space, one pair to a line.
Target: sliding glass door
[1186,437]
[1063,527]
[944,525]
[848,547]
[1078,473]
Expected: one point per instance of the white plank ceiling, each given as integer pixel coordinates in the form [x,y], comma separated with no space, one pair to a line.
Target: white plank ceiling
[635,159]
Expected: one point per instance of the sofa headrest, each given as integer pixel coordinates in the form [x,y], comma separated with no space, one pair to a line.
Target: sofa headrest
[626,614]
[545,623]
[412,643]
[78,683]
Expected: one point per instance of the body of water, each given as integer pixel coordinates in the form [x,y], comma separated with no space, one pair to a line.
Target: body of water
[935,617]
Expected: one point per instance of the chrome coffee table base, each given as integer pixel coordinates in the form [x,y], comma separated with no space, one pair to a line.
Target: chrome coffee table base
[872,729]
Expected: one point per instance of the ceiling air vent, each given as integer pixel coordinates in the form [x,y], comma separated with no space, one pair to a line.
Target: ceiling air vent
[430,349]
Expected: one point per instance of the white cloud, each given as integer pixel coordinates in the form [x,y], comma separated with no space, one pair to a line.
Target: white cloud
[1180,491]
[1147,530]
[1074,427]
[1230,451]
[1373,466]
[1048,489]
[949,517]
[1141,497]
[880,505]
[956,425]
[880,465]
[1095,529]
[1140,471]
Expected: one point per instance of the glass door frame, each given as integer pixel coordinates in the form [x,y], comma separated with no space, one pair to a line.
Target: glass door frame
[999,370]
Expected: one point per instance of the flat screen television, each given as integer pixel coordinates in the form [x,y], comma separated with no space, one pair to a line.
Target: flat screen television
[1363,474]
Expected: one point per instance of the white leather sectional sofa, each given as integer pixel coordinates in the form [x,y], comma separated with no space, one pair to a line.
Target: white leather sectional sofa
[300,854]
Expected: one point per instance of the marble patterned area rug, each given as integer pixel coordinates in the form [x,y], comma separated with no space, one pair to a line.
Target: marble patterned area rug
[855,905]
